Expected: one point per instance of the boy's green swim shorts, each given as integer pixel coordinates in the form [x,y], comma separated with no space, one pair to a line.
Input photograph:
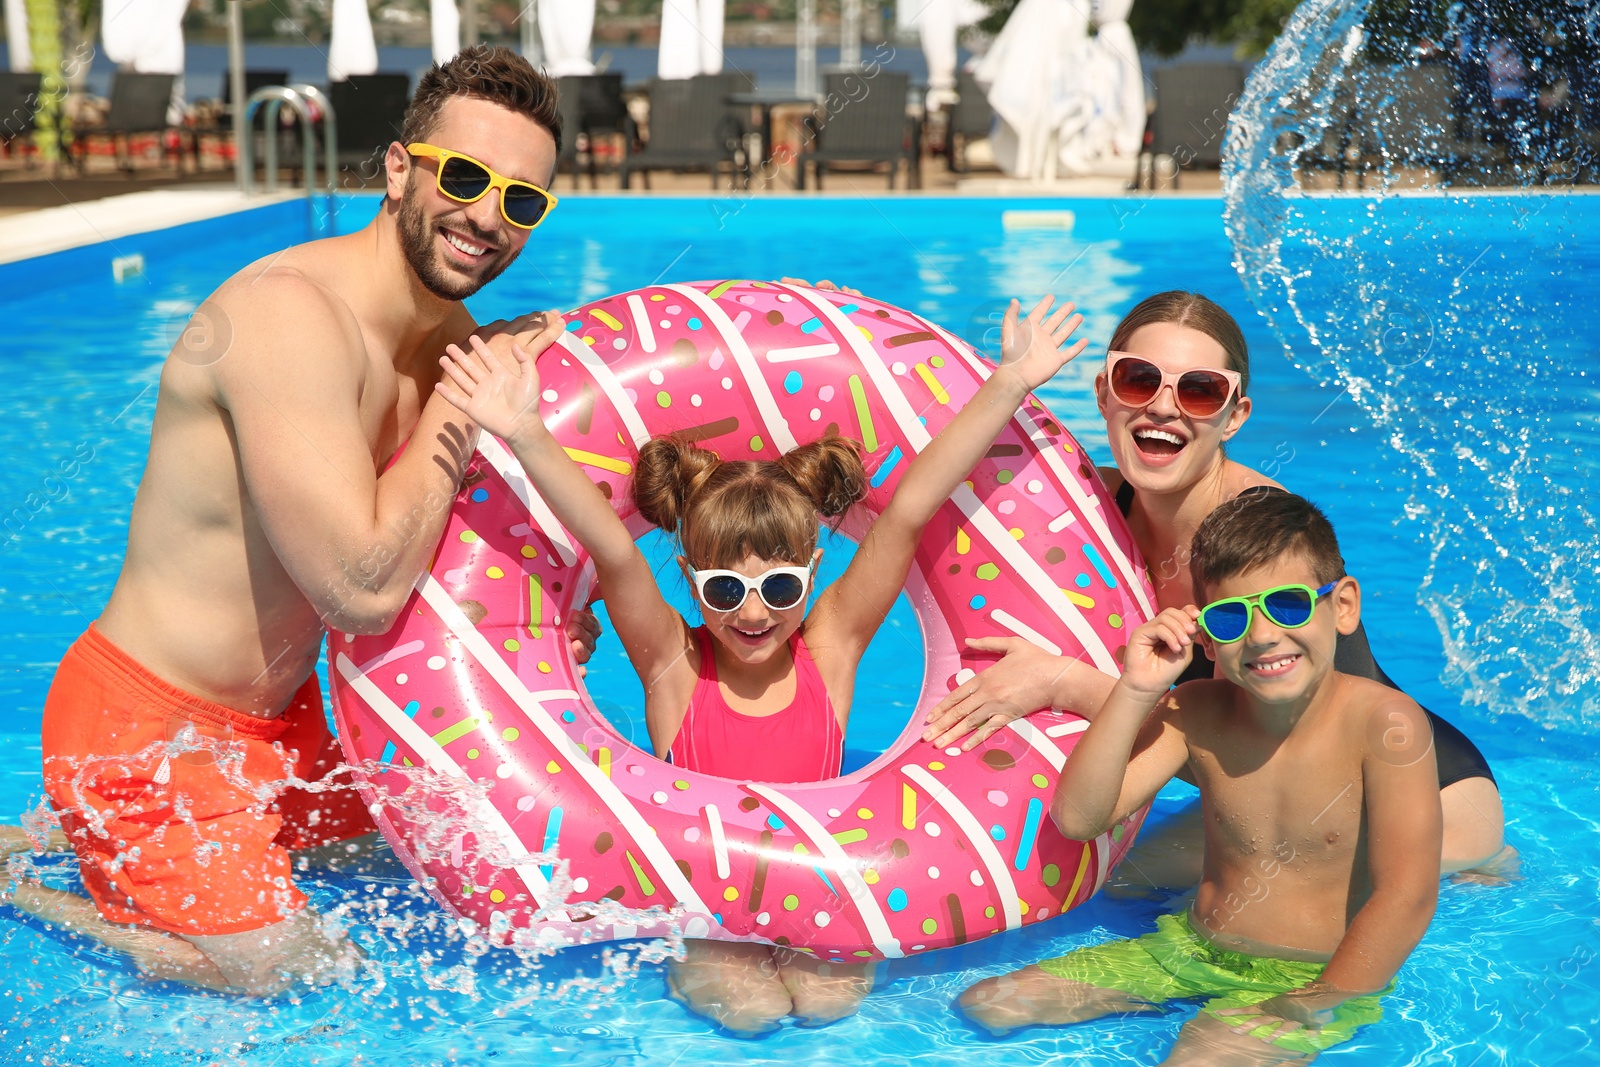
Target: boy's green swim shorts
[1175,963]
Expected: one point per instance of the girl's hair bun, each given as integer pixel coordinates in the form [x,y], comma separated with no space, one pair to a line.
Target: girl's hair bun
[668,472]
[828,471]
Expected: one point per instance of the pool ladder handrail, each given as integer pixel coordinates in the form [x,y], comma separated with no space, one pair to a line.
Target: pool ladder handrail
[299,98]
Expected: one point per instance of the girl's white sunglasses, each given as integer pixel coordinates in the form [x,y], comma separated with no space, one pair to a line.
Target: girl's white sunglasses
[778,588]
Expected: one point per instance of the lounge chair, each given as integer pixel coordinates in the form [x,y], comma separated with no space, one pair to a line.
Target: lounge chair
[1405,119]
[19,103]
[1193,102]
[970,119]
[692,127]
[591,106]
[139,104]
[369,110]
[253,80]
[1320,135]
[863,120]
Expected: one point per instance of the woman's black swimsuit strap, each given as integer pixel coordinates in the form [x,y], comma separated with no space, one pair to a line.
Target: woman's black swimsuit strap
[1458,757]
[1125,498]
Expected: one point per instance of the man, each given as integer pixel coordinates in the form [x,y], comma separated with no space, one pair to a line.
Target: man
[280,498]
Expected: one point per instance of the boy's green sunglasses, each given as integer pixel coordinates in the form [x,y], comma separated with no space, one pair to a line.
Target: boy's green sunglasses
[1286,606]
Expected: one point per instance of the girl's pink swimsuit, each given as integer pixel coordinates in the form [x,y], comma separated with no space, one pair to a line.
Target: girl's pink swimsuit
[801,743]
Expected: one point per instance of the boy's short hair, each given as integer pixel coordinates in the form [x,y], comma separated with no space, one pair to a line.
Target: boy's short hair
[483,72]
[1255,529]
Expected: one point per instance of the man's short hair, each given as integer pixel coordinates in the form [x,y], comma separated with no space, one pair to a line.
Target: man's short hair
[483,72]
[1256,529]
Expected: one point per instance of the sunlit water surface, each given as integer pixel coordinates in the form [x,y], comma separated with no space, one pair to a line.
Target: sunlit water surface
[1505,974]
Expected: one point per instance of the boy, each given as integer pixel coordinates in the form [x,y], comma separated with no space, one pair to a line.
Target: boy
[1320,799]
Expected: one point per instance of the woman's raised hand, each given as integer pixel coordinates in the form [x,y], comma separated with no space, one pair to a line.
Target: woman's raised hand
[495,382]
[1032,347]
[1019,684]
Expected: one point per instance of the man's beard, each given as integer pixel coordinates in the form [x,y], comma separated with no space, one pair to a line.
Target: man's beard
[417,244]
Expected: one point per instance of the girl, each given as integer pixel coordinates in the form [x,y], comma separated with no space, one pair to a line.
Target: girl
[763,690]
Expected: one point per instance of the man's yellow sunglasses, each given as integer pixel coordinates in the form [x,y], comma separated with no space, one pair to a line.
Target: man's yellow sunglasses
[466,181]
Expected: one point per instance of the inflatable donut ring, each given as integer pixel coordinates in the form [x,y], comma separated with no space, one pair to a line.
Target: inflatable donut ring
[521,808]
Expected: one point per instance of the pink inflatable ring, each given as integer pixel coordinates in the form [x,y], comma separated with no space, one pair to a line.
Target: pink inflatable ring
[471,704]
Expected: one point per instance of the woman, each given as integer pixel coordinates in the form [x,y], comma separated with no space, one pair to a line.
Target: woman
[1173,394]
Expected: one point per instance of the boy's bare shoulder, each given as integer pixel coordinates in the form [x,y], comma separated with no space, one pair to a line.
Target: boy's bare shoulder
[1384,722]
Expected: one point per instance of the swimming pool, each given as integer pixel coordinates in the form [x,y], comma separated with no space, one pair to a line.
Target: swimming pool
[1505,975]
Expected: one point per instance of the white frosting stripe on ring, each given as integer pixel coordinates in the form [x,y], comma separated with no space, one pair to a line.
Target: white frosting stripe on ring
[1090,510]
[1039,742]
[1005,886]
[719,839]
[641,323]
[777,426]
[790,355]
[1026,421]
[438,761]
[983,521]
[1102,855]
[672,879]
[883,938]
[506,465]
[1024,631]
[608,385]
[1032,575]
[1067,729]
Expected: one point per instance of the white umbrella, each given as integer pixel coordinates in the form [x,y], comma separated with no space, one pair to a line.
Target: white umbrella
[566,27]
[122,26]
[1035,77]
[146,36]
[711,18]
[17,49]
[351,49]
[444,24]
[678,55]
[939,23]
[1122,109]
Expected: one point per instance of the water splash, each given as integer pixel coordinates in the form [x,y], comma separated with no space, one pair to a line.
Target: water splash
[1417,237]
[407,941]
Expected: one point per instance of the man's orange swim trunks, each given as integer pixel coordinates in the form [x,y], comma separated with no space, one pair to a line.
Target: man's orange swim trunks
[176,806]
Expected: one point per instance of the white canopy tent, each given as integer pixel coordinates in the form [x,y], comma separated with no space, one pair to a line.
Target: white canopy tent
[566,28]
[351,49]
[691,38]
[1067,103]
[444,29]
[18,52]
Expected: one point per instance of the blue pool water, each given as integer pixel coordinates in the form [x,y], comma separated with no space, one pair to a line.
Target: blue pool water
[1505,975]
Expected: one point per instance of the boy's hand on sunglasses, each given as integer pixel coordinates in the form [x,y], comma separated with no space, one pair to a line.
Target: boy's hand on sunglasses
[1032,347]
[1159,650]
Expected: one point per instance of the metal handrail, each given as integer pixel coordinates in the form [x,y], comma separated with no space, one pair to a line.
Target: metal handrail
[330,133]
[274,97]
[299,99]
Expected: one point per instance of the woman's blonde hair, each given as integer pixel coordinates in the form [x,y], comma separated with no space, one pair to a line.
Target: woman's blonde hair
[725,511]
